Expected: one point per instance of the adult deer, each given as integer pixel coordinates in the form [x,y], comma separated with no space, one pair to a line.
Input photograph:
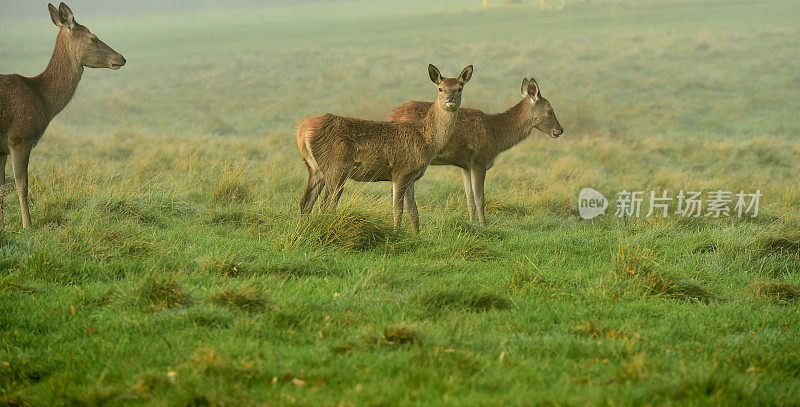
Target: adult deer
[27,105]
[335,148]
[478,138]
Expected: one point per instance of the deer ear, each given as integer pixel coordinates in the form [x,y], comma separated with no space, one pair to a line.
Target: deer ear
[466,75]
[434,73]
[67,18]
[533,89]
[54,15]
[524,89]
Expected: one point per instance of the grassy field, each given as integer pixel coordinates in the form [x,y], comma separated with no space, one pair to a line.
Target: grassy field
[168,263]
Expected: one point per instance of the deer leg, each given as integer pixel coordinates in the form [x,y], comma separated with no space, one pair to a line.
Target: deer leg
[468,193]
[19,160]
[313,188]
[478,179]
[399,188]
[3,158]
[334,185]
[411,203]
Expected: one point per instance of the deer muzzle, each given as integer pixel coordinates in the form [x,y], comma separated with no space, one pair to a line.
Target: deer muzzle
[117,62]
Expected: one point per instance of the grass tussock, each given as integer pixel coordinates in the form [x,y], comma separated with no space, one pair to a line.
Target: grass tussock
[101,299]
[392,336]
[235,217]
[239,298]
[162,291]
[147,210]
[472,248]
[227,266]
[782,293]
[464,299]
[8,285]
[232,185]
[344,229]
[785,243]
[523,277]
[595,330]
[638,268]
[400,335]
[633,370]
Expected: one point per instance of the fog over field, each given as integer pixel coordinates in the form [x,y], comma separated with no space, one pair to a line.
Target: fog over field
[168,262]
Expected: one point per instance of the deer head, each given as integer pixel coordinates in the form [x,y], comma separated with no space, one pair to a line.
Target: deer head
[543,115]
[85,47]
[449,88]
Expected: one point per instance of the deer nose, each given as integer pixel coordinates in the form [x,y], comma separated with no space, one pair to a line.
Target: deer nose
[557,132]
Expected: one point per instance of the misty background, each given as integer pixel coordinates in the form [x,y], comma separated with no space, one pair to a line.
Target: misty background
[15,9]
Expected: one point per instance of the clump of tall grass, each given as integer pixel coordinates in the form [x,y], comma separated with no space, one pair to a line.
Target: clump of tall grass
[595,330]
[226,265]
[465,246]
[779,292]
[8,285]
[232,186]
[395,336]
[161,290]
[146,209]
[346,229]
[524,278]
[785,242]
[464,299]
[239,298]
[637,268]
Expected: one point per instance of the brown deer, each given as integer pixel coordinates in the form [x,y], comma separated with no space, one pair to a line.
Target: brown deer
[27,105]
[335,148]
[478,138]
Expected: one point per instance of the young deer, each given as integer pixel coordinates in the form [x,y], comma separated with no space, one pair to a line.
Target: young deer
[478,138]
[335,148]
[27,105]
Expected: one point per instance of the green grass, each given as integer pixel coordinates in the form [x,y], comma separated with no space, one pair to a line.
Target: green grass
[168,263]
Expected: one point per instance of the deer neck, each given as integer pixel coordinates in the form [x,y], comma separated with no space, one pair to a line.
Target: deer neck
[60,79]
[438,126]
[514,125]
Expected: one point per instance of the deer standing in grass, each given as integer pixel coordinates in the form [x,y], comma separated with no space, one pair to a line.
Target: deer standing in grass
[478,138]
[27,105]
[335,148]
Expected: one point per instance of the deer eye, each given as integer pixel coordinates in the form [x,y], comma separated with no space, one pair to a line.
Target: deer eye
[440,89]
[460,89]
